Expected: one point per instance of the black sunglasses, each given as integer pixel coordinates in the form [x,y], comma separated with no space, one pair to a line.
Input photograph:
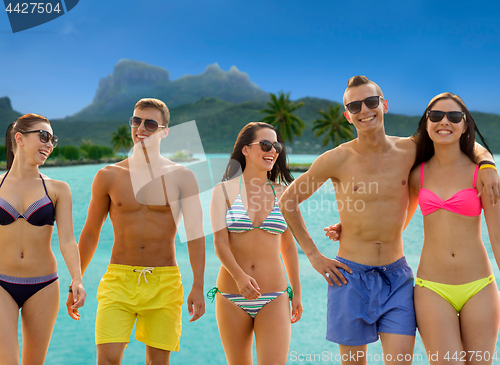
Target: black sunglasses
[372,102]
[437,115]
[150,124]
[45,137]
[266,145]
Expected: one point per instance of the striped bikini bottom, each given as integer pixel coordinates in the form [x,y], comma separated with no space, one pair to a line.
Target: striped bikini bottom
[251,306]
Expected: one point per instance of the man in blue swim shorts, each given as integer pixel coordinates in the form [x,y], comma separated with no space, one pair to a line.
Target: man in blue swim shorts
[371,286]
[143,196]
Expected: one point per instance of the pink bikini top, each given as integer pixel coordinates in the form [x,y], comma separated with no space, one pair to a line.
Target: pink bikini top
[463,202]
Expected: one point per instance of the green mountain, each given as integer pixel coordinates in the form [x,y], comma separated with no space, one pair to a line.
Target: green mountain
[7,114]
[132,80]
[220,102]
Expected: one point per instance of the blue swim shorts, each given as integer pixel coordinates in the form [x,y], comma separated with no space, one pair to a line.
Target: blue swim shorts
[375,299]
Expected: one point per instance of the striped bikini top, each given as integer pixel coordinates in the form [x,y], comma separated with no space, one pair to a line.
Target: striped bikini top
[40,213]
[238,221]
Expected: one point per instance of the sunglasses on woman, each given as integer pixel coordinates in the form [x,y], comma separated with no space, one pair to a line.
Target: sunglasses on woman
[150,124]
[372,102]
[437,115]
[45,137]
[266,146]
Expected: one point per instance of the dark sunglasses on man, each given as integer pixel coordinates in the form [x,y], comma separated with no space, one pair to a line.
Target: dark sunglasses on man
[372,102]
[437,115]
[45,137]
[266,145]
[150,124]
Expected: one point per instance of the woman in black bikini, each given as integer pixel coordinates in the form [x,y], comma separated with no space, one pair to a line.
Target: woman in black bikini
[29,205]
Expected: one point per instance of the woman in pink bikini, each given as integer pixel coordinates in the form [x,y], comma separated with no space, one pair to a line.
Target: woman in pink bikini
[456,298]
[250,237]
[29,205]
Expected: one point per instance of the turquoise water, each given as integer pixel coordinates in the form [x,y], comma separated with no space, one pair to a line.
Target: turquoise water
[73,342]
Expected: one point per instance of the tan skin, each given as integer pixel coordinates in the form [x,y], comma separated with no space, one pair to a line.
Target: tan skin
[251,265]
[145,231]
[387,208]
[26,252]
[362,170]
[453,253]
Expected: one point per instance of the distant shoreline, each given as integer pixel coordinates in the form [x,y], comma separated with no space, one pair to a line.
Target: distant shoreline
[106,160]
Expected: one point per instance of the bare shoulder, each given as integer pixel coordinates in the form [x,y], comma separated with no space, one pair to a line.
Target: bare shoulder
[57,189]
[331,163]
[279,189]
[406,144]
[111,172]
[337,155]
[179,174]
[229,187]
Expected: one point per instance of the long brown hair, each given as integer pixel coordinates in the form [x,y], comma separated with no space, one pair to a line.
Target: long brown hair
[425,146]
[24,123]
[246,136]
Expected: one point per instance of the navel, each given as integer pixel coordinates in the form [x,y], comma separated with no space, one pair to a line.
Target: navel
[355,188]
[403,182]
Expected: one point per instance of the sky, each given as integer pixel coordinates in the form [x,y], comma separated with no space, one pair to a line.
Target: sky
[412,49]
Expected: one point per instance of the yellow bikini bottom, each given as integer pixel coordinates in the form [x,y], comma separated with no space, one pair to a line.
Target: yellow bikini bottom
[456,295]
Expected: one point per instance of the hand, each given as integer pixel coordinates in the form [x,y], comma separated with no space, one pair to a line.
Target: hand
[333,232]
[297,308]
[76,299]
[248,287]
[196,304]
[488,182]
[329,269]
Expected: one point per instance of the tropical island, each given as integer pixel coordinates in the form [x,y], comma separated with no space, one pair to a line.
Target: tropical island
[220,102]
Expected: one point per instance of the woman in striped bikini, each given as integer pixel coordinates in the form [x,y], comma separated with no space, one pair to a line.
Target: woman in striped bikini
[28,276]
[249,235]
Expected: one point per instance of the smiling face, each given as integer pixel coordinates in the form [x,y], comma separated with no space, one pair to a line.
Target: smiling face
[141,133]
[255,156]
[366,119]
[31,144]
[445,132]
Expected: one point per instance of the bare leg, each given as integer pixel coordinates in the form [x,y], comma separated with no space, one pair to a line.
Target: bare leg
[479,320]
[9,317]
[236,331]
[156,356]
[39,315]
[439,326]
[398,349]
[272,332]
[110,353]
[352,355]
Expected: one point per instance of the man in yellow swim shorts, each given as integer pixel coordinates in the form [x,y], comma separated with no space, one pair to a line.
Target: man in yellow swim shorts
[146,196]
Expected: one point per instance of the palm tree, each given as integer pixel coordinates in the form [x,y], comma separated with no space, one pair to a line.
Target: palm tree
[280,116]
[334,125]
[121,139]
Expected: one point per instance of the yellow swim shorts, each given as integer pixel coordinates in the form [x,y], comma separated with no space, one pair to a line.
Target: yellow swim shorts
[152,295]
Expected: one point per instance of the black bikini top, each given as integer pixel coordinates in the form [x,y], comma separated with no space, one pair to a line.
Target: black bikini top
[40,213]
